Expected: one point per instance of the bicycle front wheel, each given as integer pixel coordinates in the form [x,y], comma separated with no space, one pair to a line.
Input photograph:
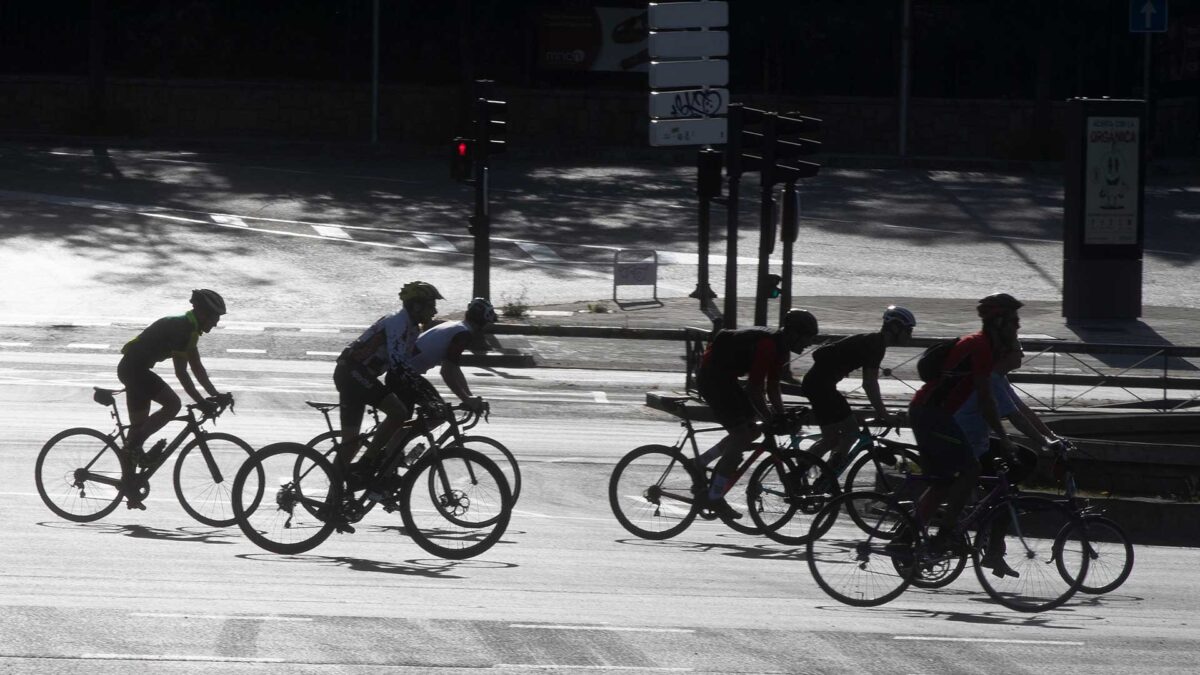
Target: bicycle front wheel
[855,566]
[78,475]
[1036,538]
[281,509]
[651,492]
[455,503]
[1110,555]
[493,450]
[783,496]
[204,476]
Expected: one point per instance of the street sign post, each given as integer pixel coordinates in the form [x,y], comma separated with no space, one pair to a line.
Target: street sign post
[1147,16]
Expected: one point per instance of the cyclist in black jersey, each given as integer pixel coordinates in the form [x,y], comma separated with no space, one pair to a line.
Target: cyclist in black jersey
[832,362]
[175,337]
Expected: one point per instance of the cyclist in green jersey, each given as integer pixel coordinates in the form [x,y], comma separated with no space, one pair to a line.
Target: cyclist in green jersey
[175,337]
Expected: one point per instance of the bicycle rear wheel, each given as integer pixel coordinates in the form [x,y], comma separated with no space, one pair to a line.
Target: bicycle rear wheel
[280,508]
[854,566]
[785,494]
[455,503]
[651,492]
[204,475]
[1040,545]
[78,475]
[867,473]
[493,450]
[1110,555]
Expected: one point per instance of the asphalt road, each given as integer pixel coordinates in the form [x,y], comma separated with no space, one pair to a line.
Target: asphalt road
[566,589]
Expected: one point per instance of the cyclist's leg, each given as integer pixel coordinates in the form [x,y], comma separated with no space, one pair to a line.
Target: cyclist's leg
[356,389]
[832,413]
[944,453]
[142,387]
[396,413]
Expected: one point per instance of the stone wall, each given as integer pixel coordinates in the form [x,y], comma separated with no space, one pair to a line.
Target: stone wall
[541,120]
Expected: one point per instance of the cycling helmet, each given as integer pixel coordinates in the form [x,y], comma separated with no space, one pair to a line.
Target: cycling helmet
[801,321]
[997,304]
[419,290]
[900,315]
[209,301]
[481,312]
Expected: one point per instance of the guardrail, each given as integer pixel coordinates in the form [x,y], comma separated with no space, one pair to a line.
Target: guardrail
[1045,363]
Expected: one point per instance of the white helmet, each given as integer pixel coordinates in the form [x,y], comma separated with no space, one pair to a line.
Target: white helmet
[481,312]
[899,315]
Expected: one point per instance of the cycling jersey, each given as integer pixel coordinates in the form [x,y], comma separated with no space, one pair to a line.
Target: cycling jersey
[831,364]
[970,357]
[387,344]
[445,341]
[754,352]
[169,336]
[971,420]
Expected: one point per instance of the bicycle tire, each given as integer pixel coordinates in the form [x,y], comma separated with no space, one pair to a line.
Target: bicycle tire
[470,481]
[267,514]
[1048,544]
[71,464]
[863,475]
[1110,555]
[204,488]
[493,450]
[853,565]
[784,494]
[644,481]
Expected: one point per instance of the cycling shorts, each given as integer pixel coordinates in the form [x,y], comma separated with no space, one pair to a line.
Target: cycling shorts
[829,406]
[357,388]
[141,382]
[726,398]
[943,448]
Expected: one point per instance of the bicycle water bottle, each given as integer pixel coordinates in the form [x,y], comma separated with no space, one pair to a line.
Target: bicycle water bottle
[414,454]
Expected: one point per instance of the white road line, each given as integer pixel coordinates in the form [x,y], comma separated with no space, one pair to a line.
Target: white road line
[86,345]
[246,351]
[15,344]
[178,657]
[227,220]
[928,638]
[319,330]
[539,666]
[600,397]
[539,252]
[436,242]
[332,231]
[244,326]
[624,629]
[323,353]
[219,617]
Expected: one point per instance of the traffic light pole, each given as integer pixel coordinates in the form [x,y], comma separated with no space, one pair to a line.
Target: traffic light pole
[790,224]
[708,186]
[481,227]
[733,164]
[766,215]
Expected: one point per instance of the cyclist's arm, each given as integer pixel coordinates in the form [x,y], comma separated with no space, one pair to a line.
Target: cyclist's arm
[870,384]
[452,373]
[763,380]
[182,361]
[1027,422]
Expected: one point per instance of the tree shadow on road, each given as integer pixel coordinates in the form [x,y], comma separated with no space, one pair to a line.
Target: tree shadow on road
[196,534]
[430,568]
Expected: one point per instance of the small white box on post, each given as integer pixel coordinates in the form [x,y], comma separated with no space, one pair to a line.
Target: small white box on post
[635,267]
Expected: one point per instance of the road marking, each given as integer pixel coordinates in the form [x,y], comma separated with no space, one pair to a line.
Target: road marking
[246,351]
[179,657]
[219,617]
[319,330]
[244,326]
[323,353]
[222,219]
[539,252]
[15,344]
[86,345]
[539,666]
[927,638]
[436,242]
[629,629]
[599,397]
[332,231]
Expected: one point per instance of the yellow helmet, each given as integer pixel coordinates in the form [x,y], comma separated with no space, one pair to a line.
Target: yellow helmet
[419,290]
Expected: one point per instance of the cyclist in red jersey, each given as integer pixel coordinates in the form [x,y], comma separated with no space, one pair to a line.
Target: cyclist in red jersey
[760,354]
[945,451]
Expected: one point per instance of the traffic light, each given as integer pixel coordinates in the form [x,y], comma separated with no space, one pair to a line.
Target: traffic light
[790,217]
[772,285]
[770,142]
[491,126]
[462,154]
[708,173]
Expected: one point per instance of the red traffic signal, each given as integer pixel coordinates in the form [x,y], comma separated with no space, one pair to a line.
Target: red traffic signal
[462,154]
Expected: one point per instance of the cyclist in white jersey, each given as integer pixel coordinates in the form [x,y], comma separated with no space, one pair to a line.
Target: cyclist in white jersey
[444,344]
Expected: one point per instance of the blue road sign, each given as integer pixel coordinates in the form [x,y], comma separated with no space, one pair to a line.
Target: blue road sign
[1147,16]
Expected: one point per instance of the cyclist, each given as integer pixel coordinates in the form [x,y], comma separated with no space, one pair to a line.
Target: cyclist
[760,354]
[175,337]
[945,451]
[387,346]
[832,362]
[444,344]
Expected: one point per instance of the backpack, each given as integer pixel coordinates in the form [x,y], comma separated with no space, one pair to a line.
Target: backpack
[932,363]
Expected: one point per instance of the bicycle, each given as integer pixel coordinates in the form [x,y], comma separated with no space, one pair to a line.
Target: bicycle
[410,441]
[455,502]
[870,566]
[655,492]
[82,473]
[1109,548]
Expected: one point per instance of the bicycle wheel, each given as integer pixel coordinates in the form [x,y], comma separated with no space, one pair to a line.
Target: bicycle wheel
[939,570]
[853,565]
[784,495]
[204,477]
[868,474]
[78,475]
[455,503]
[493,450]
[268,489]
[1110,555]
[1040,545]
[650,492]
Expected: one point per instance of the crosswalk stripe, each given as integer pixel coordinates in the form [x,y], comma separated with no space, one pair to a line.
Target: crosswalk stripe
[436,243]
[227,220]
[539,252]
[332,231]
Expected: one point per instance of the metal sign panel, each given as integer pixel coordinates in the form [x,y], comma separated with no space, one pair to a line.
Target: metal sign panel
[704,131]
[1110,214]
[1147,16]
[688,44]
[676,74]
[689,103]
[688,15]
